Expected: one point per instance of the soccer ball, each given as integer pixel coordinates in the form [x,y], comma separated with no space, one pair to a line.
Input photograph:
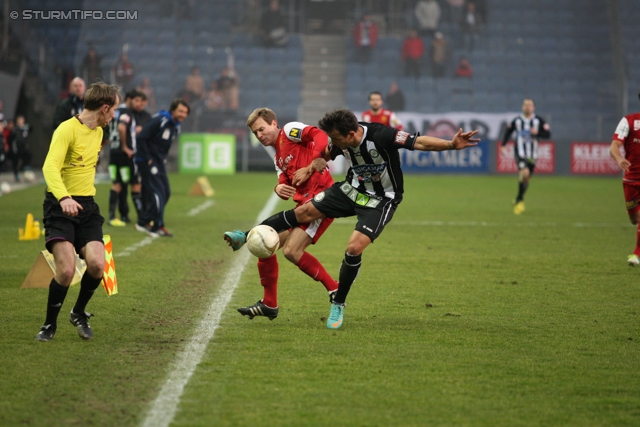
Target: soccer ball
[263,241]
[5,187]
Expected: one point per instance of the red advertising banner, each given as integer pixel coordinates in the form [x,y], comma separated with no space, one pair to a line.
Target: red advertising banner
[592,159]
[546,163]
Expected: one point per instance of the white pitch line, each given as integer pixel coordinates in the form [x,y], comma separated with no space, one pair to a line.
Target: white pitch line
[129,249]
[195,211]
[165,406]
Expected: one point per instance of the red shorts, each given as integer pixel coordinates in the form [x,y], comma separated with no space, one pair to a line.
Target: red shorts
[632,196]
[316,229]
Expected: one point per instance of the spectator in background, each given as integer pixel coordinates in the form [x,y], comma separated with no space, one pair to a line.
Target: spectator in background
[229,85]
[366,36]
[146,88]
[72,105]
[395,98]
[20,152]
[439,55]
[3,148]
[377,114]
[92,66]
[273,27]
[124,72]
[412,53]
[3,119]
[463,69]
[194,85]
[214,100]
[471,26]
[428,16]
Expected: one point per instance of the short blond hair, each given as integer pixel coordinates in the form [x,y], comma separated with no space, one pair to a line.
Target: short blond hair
[266,114]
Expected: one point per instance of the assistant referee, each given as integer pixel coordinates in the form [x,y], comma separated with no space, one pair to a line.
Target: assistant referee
[71,217]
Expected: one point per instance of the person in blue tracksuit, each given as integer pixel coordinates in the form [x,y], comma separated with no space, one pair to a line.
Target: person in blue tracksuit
[154,142]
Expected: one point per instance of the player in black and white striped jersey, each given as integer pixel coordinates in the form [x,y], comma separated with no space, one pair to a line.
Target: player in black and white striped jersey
[371,191]
[529,128]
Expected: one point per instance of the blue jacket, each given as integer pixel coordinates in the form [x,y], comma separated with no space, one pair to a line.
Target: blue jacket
[156,137]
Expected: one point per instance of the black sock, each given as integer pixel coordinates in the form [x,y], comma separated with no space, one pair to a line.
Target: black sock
[57,294]
[136,196]
[123,204]
[282,221]
[113,203]
[88,285]
[522,188]
[348,273]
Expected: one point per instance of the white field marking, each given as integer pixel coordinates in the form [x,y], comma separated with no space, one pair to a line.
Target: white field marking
[195,211]
[164,407]
[494,224]
[129,249]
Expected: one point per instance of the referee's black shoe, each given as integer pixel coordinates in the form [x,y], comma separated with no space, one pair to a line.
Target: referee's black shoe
[81,322]
[259,309]
[46,333]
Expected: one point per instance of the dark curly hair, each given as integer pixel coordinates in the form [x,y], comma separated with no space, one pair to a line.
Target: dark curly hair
[342,120]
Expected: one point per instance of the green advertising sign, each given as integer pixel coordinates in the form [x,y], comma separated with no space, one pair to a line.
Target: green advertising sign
[208,153]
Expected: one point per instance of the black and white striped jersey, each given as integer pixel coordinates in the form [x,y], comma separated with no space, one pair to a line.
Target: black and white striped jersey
[526,143]
[374,166]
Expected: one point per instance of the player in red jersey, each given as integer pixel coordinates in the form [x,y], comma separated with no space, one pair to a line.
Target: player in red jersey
[377,114]
[302,173]
[627,134]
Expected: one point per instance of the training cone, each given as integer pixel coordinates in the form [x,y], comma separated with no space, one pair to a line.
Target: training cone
[202,188]
[31,230]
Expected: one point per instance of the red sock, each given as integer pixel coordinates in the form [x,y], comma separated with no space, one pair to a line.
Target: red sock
[309,265]
[637,251]
[268,270]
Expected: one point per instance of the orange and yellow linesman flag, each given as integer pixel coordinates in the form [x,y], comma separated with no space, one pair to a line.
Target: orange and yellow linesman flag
[109,281]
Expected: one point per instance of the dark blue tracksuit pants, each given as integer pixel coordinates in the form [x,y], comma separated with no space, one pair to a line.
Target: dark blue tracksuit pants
[155,193]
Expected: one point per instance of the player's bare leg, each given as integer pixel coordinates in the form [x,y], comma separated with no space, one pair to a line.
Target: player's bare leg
[294,251]
[348,272]
[634,259]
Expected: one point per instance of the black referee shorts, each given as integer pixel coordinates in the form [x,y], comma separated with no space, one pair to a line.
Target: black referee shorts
[81,229]
[342,200]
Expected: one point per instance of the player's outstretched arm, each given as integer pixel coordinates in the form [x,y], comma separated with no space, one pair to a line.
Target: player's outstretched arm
[616,155]
[460,141]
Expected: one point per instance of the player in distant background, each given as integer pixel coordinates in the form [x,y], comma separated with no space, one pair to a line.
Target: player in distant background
[627,134]
[529,128]
[372,190]
[71,217]
[377,114]
[122,168]
[302,173]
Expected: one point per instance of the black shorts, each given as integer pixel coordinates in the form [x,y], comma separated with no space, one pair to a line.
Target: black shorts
[522,163]
[81,229]
[342,200]
[123,170]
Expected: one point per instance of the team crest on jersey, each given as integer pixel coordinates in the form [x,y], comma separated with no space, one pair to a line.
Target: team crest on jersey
[636,124]
[318,197]
[295,132]
[374,153]
[401,137]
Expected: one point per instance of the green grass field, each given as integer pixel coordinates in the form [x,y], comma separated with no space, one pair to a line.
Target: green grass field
[463,315]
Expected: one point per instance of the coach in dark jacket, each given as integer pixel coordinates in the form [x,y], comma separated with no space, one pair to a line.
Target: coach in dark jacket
[72,105]
[153,144]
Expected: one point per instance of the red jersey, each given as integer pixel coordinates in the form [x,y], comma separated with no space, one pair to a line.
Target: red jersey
[296,147]
[384,116]
[628,132]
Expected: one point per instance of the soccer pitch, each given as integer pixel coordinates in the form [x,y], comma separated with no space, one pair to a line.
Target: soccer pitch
[463,314]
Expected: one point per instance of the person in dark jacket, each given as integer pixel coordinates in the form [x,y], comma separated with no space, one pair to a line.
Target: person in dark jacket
[20,152]
[71,105]
[154,142]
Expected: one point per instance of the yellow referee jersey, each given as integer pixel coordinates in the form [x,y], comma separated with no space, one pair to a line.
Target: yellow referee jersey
[70,166]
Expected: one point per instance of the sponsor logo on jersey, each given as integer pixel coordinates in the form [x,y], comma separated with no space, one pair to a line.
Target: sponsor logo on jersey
[319,197]
[369,173]
[636,124]
[295,132]
[401,137]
